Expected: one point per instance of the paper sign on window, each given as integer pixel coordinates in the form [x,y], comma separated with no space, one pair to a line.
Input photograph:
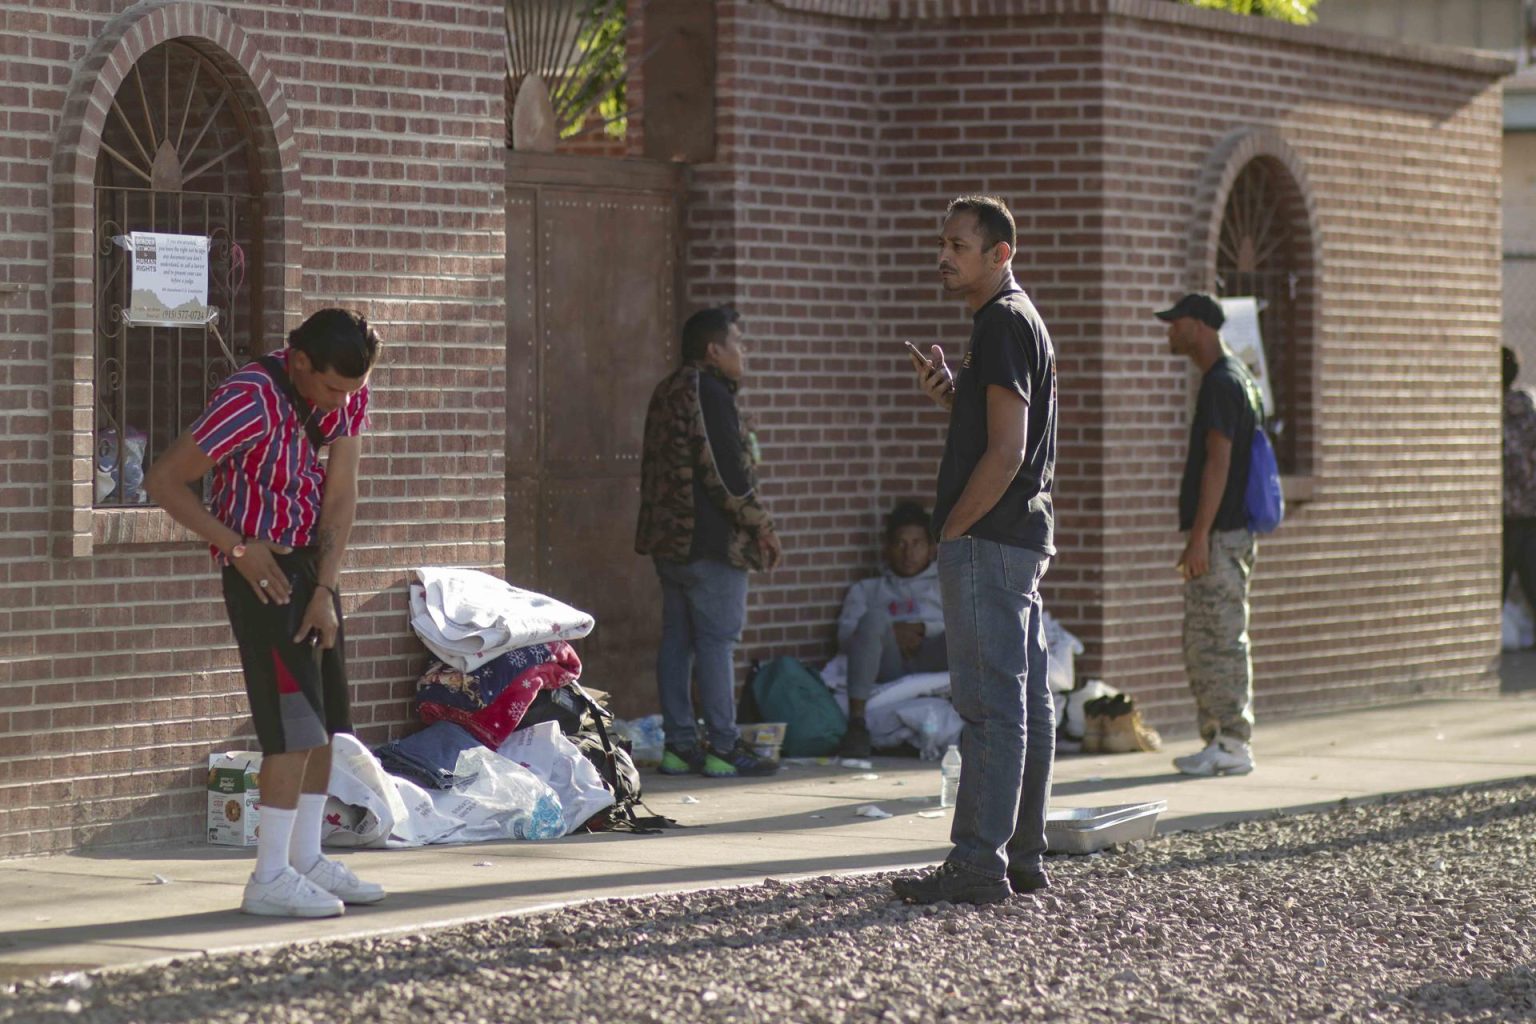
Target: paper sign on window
[1241,333]
[170,280]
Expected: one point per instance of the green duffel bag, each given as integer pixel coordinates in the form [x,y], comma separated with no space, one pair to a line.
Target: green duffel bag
[789,692]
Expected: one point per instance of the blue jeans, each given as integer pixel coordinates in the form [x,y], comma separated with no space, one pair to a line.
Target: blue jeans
[997,669]
[703,608]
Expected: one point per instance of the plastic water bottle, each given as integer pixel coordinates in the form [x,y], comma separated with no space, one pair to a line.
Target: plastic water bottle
[949,776]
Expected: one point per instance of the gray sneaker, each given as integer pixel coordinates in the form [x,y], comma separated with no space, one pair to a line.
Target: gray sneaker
[1224,755]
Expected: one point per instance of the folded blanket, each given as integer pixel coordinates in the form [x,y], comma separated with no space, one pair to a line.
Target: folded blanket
[467,617]
[490,701]
[430,756]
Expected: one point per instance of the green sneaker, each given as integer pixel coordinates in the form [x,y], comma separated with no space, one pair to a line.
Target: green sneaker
[739,760]
[681,760]
[716,767]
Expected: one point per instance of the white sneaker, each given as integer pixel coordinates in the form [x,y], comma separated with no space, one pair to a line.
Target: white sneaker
[337,879]
[1224,755]
[290,894]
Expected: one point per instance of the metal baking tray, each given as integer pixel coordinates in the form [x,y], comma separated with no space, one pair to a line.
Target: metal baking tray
[1086,829]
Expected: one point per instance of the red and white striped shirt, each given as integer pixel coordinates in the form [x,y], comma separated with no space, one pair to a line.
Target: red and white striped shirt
[268,482]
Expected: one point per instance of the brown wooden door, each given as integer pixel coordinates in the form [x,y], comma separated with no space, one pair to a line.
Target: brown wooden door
[592,258]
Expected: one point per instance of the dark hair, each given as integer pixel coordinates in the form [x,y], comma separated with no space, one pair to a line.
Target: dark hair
[337,339]
[908,513]
[1511,366]
[705,326]
[992,217]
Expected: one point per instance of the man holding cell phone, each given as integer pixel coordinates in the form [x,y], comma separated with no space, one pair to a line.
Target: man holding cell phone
[996,529]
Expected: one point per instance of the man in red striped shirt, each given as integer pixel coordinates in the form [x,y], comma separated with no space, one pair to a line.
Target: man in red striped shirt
[278,521]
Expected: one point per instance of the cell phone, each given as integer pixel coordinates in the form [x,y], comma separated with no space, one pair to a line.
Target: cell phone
[918,359]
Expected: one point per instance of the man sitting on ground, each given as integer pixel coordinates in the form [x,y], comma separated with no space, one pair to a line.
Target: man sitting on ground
[892,624]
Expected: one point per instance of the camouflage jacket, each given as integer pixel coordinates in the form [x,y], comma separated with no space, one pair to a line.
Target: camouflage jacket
[1519,453]
[676,447]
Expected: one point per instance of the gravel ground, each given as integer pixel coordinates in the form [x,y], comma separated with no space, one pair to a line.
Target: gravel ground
[1418,909]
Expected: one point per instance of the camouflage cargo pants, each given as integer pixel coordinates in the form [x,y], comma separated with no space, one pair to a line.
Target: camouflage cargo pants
[1216,637]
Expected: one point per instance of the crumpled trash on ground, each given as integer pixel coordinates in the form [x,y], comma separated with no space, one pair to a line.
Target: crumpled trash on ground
[872,811]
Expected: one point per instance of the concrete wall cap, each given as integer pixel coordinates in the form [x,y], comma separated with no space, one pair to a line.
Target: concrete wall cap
[1165,12]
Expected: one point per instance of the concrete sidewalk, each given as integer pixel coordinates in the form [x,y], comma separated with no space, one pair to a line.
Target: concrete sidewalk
[98,909]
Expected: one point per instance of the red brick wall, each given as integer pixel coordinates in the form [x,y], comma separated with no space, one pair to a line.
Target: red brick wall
[117,675]
[843,130]
[1383,585]
[843,134]
[782,225]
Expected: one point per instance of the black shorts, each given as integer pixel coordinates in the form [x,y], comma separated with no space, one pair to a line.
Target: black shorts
[298,692]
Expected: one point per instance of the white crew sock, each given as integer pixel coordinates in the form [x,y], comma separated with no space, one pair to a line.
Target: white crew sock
[304,848]
[272,844]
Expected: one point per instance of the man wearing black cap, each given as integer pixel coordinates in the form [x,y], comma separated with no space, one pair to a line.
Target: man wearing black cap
[1219,554]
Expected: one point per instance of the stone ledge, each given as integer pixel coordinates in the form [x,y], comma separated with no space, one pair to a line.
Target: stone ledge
[1166,12]
[119,527]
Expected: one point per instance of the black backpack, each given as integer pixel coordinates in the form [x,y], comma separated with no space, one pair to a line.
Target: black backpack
[611,756]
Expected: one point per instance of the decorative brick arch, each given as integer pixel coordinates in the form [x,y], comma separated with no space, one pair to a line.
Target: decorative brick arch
[1221,168]
[72,182]
[1227,161]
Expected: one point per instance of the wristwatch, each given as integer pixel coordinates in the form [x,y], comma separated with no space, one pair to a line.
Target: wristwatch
[238,551]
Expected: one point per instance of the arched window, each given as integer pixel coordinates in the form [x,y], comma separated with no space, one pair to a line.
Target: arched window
[1264,251]
[177,157]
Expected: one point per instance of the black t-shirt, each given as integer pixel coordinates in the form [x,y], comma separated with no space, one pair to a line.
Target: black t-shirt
[711,526]
[1223,406]
[1010,348]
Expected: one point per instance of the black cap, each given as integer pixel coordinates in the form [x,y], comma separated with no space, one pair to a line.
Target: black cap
[1198,305]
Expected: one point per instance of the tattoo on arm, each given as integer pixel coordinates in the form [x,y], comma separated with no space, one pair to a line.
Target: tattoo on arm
[327,541]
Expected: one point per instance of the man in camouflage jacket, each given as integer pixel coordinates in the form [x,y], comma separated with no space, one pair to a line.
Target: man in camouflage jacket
[704,527]
[1519,481]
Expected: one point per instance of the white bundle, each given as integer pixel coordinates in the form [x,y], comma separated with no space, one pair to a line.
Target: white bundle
[467,617]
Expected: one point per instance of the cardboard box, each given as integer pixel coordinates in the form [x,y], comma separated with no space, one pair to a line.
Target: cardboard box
[765,738]
[234,798]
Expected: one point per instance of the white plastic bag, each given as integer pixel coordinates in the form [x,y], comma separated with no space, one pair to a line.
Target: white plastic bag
[881,712]
[363,806]
[933,722]
[560,764]
[369,807]
[423,824]
[500,800]
[1063,649]
[647,740]
[1518,630]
